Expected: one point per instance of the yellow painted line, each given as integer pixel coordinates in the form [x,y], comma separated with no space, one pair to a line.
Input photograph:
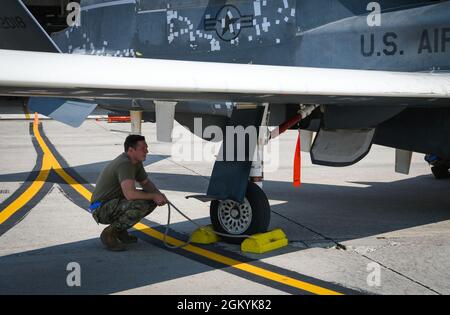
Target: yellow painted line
[48,162]
[57,167]
[74,184]
[28,194]
[261,272]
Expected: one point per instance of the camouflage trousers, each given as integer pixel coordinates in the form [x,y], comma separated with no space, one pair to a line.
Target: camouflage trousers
[122,214]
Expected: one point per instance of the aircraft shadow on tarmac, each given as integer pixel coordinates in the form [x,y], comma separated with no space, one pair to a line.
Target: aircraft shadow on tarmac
[88,172]
[339,212]
[336,212]
[322,214]
[102,272]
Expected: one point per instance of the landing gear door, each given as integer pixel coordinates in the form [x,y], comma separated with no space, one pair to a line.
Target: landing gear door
[341,147]
[229,178]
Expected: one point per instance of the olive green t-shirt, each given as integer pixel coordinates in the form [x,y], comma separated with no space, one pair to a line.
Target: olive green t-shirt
[119,169]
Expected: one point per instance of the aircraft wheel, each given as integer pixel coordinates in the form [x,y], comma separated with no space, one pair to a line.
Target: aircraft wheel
[251,217]
[440,172]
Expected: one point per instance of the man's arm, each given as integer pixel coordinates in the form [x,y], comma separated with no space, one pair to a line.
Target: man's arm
[148,186]
[131,193]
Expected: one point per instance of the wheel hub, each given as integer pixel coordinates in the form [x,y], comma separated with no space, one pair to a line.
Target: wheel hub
[234,213]
[235,218]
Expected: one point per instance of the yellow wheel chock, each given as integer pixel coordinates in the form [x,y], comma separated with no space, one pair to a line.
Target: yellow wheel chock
[257,243]
[204,235]
[265,242]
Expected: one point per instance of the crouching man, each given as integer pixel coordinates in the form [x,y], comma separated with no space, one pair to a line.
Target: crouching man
[117,202]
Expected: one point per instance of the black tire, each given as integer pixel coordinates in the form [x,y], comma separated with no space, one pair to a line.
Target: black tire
[260,214]
[440,172]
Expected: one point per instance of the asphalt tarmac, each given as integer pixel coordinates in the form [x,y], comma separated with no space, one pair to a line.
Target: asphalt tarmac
[355,230]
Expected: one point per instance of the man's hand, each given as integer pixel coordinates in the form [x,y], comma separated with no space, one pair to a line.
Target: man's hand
[160,199]
[167,200]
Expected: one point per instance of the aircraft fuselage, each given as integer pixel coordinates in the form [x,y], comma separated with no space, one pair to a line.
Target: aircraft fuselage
[409,35]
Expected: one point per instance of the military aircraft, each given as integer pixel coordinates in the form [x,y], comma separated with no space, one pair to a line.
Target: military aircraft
[355,72]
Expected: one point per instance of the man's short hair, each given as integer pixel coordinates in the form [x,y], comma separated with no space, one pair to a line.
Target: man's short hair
[131,141]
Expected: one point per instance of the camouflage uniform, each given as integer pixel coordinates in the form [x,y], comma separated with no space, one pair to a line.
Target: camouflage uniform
[122,214]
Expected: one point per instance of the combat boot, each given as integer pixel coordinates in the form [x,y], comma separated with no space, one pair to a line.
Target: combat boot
[110,239]
[126,238]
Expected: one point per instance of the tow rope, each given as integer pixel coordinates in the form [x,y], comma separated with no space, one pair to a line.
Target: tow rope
[166,232]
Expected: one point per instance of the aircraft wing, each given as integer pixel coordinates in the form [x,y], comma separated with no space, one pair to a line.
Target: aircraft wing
[24,73]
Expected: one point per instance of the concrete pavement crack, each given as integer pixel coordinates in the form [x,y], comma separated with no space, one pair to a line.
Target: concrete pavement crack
[341,246]
[338,245]
[401,274]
